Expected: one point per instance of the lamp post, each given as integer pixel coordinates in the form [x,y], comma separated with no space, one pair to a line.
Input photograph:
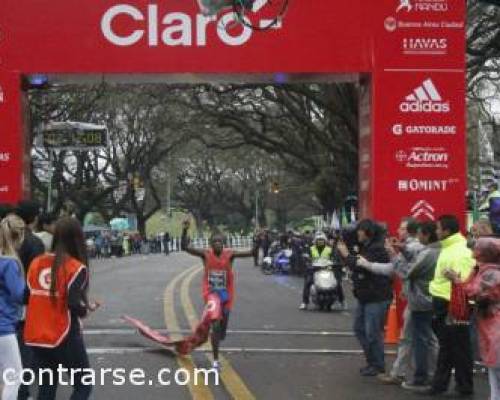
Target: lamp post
[256,209]
[49,189]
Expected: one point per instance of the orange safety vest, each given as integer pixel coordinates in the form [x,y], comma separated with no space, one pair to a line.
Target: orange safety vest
[219,271]
[48,318]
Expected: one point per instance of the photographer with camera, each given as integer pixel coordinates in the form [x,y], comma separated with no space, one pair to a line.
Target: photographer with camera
[373,292]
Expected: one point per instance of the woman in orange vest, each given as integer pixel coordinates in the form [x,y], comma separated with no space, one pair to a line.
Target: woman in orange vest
[58,286]
[218,278]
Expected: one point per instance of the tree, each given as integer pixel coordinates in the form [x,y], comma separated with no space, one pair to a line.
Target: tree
[312,130]
[142,131]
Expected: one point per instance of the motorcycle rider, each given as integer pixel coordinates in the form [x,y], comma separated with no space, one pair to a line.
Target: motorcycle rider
[320,250]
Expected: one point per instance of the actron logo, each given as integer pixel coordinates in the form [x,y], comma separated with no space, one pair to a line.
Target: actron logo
[425,99]
[424,157]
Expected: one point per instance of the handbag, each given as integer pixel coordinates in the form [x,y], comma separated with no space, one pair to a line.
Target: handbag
[458,308]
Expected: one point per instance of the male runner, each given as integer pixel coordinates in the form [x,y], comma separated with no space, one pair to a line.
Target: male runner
[218,278]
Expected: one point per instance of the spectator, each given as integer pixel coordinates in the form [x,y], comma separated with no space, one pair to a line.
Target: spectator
[46,226]
[31,247]
[5,209]
[480,228]
[419,275]
[12,289]
[166,243]
[403,252]
[373,292]
[484,287]
[56,306]
[455,350]
[492,204]
[99,244]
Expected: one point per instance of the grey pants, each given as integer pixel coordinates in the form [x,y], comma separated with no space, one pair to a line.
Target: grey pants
[10,364]
[404,365]
[494,377]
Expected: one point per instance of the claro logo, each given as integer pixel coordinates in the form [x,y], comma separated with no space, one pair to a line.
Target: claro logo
[169,29]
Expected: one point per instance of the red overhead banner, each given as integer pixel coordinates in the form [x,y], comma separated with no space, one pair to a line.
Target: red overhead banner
[104,36]
[412,108]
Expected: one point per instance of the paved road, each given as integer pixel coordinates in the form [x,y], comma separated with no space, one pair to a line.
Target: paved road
[273,351]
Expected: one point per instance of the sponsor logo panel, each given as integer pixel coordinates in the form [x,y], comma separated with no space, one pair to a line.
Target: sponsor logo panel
[174,29]
[392,24]
[425,99]
[421,6]
[424,46]
[409,129]
[426,185]
[423,208]
[4,157]
[424,157]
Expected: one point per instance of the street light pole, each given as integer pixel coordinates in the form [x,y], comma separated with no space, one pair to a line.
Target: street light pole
[256,209]
[49,189]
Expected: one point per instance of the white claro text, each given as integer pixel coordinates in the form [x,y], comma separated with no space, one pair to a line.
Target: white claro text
[169,29]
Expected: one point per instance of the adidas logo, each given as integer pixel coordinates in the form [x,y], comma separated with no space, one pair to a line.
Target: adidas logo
[425,99]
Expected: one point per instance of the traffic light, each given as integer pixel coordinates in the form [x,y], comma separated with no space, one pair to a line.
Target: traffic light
[137,182]
[275,187]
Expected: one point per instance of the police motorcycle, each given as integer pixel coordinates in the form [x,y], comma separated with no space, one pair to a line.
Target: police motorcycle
[324,289]
[282,261]
[277,263]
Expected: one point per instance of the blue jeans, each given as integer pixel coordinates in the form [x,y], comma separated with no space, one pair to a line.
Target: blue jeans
[369,329]
[422,339]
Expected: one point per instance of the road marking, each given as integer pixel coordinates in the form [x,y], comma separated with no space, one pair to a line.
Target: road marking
[232,381]
[248,350]
[263,332]
[200,391]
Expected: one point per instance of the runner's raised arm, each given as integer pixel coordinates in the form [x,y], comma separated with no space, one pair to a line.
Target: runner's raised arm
[185,243]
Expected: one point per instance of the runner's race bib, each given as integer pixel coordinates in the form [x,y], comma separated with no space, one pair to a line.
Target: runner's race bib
[217,280]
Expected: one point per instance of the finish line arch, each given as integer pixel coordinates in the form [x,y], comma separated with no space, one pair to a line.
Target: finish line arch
[409,58]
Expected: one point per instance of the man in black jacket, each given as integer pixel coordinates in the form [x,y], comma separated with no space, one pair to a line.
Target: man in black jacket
[31,248]
[373,292]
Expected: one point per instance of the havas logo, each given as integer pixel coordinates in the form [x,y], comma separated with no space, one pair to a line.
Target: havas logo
[172,28]
[429,46]
[425,99]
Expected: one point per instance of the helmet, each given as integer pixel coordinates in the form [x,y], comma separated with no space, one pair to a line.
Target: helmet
[320,236]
